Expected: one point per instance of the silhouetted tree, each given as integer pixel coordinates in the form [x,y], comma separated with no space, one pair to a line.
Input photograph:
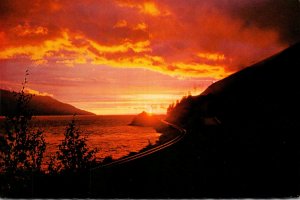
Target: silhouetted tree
[22,149]
[107,159]
[73,154]
[170,108]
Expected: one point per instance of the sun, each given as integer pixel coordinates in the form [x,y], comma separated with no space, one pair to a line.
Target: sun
[150,111]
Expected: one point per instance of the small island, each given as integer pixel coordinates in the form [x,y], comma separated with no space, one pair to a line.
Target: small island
[145,119]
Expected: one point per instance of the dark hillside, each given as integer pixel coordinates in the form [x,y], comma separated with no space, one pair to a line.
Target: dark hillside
[245,128]
[40,105]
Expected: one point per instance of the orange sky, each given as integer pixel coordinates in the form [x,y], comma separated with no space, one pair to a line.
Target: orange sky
[125,56]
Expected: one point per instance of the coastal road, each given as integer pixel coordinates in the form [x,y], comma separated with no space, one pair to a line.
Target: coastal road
[150,151]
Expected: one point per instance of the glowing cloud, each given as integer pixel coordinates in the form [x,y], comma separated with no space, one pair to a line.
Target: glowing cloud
[35,92]
[27,30]
[120,24]
[150,8]
[180,39]
[212,56]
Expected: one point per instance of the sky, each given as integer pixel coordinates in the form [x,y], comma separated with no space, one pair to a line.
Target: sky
[126,56]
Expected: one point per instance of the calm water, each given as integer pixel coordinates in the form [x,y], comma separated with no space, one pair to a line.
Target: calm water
[110,134]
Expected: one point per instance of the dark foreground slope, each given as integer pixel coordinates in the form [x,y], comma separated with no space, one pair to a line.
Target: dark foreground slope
[248,124]
[242,141]
[40,105]
[266,89]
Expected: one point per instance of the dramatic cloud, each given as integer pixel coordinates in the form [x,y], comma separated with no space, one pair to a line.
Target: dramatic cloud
[38,93]
[280,15]
[185,40]
[165,36]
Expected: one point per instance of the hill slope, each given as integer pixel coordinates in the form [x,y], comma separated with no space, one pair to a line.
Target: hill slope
[40,105]
[244,129]
[266,89]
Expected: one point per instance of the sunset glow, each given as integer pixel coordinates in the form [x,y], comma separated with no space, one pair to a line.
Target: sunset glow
[124,56]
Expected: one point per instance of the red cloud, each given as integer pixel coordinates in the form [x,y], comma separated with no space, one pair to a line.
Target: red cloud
[179,38]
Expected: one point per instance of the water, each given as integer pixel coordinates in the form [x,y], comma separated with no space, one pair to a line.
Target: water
[110,134]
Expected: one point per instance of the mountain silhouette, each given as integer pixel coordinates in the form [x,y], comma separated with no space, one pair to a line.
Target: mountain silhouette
[40,105]
[245,128]
[268,89]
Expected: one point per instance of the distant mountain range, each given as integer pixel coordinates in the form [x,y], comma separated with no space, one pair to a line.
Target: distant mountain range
[40,105]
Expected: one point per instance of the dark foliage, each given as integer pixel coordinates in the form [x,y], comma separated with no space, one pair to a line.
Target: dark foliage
[73,154]
[22,149]
[22,152]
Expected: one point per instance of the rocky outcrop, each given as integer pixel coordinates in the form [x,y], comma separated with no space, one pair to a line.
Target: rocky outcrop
[145,119]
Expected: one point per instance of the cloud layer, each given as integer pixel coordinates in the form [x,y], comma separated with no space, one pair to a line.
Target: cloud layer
[180,38]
